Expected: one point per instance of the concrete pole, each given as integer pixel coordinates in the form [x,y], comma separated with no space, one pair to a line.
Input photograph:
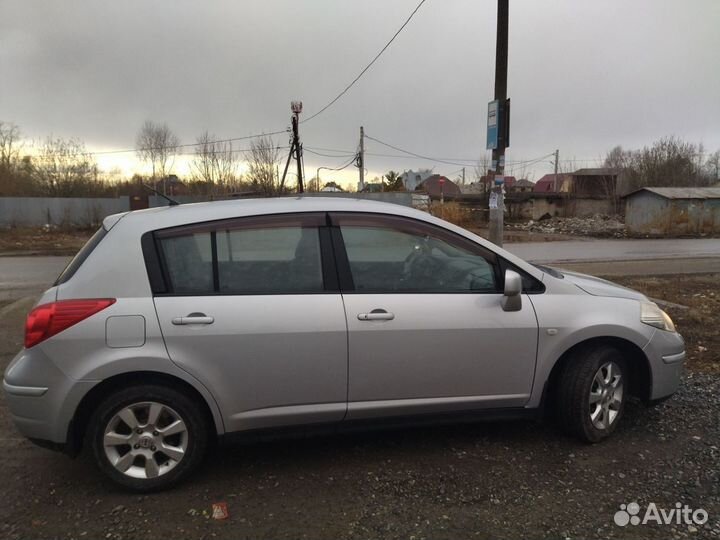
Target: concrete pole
[362,159]
[498,154]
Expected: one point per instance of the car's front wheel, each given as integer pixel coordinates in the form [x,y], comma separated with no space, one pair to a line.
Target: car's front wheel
[592,392]
[148,437]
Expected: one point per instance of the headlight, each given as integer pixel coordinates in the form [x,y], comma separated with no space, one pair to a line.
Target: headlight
[651,314]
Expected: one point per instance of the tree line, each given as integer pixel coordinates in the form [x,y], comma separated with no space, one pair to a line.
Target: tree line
[668,162]
[59,167]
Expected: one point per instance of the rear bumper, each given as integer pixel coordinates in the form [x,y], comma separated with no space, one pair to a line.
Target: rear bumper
[666,353]
[42,399]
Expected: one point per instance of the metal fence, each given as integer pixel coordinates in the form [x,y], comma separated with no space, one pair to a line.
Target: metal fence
[59,211]
[89,212]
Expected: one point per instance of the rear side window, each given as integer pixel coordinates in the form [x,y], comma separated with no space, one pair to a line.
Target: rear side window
[279,254]
[278,259]
[81,256]
[189,262]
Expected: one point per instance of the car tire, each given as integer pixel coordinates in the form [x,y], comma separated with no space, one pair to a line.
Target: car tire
[148,437]
[592,391]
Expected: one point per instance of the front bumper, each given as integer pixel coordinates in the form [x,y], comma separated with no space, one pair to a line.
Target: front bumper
[666,353]
[42,400]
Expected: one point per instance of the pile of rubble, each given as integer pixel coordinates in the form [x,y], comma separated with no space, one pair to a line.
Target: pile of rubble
[599,225]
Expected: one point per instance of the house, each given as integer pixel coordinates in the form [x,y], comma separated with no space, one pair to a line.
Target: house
[522,186]
[667,211]
[551,183]
[332,187]
[412,179]
[373,187]
[596,182]
[437,184]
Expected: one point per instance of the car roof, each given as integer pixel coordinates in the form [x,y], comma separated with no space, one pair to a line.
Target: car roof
[170,216]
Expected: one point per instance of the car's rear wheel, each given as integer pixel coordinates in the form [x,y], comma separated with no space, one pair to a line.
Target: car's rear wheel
[592,392]
[148,437]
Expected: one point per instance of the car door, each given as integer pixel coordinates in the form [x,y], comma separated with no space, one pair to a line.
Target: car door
[252,309]
[426,331]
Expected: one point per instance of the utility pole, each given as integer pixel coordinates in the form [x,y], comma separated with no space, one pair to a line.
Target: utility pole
[557,157]
[295,146]
[296,107]
[463,180]
[503,120]
[361,160]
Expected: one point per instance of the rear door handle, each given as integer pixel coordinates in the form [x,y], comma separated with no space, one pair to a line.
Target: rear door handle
[376,315]
[194,318]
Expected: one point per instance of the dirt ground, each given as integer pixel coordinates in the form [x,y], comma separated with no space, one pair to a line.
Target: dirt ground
[699,318]
[42,241]
[492,480]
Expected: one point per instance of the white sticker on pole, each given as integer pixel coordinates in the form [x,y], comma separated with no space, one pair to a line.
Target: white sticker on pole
[493,203]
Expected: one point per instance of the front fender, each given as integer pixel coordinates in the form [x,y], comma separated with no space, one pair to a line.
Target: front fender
[567,320]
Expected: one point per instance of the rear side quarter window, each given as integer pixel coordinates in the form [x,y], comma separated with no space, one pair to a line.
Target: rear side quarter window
[81,256]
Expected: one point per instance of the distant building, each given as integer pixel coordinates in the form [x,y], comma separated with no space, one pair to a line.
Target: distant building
[373,187]
[547,184]
[332,187]
[437,184]
[412,179]
[522,186]
[597,182]
[664,211]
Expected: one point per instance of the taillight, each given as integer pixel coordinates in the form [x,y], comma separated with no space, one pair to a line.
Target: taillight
[49,319]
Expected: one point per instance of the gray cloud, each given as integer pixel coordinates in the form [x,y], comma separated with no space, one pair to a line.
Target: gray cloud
[584,75]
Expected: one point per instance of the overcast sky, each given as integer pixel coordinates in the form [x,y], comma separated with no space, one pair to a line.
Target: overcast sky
[584,75]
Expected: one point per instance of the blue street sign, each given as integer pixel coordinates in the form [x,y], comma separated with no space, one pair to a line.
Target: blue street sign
[493,124]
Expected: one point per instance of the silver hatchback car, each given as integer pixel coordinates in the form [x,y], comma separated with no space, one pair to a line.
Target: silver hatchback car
[175,326]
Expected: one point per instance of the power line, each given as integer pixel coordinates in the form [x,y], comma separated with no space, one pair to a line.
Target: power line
[416,155]
[356,79]
[187,145]
[329,155]
[352,160]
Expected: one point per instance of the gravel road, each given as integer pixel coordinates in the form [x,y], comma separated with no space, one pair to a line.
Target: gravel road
[499,480]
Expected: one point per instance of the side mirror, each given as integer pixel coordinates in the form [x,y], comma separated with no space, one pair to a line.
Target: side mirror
[512,295]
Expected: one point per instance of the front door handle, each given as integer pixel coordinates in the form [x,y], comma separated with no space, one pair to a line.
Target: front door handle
[194,318]
[376,315]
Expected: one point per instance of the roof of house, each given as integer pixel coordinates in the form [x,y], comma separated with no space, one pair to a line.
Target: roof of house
[524,183]
[434,186]
[547,182]
[681,192]
[597,171]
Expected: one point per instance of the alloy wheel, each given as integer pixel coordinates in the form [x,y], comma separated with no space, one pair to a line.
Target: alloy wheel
[606,395]
[145,440]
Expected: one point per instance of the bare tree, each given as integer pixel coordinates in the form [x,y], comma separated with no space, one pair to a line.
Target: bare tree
[712,166]
[263,166]
[215,163]
[63,168]
[9,145]
[481,169]
[157,145]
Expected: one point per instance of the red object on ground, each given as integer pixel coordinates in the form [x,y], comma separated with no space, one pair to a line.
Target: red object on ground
[220,510]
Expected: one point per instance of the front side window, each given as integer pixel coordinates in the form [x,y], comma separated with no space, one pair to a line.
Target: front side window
[401,255]
[279,254]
